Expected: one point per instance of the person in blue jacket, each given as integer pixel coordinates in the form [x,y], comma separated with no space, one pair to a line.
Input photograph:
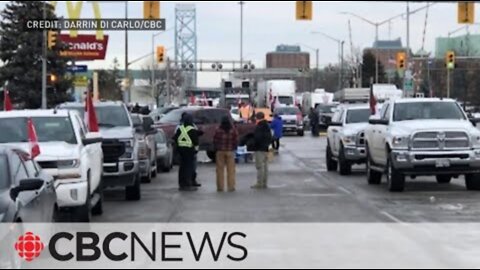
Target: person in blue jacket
[277,127]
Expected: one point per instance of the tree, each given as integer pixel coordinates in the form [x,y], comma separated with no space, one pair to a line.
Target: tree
[160,89]
[21,53]
[109,82]
[368,69]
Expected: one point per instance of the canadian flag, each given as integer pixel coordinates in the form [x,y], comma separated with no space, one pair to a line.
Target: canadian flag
[372,102]
[204,99]
[33,139]
[7,103]
[90,114]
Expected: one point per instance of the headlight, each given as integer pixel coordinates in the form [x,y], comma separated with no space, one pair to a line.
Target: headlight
[68,164]
[400,142]
[142,150]
[129,149]
[475,141]
[349,139]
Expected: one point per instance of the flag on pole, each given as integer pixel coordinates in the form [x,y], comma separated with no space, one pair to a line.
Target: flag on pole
[7,102]
[90,114]
[372,102]
[33,139]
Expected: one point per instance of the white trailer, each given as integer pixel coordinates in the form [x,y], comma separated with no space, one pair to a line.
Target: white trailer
[282,90]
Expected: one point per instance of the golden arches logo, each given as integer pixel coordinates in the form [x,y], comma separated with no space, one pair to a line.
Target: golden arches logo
[74,9]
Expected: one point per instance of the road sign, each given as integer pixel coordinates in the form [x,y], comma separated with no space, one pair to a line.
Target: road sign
[304,10]
[77,69]
[151,10]
[408,85]
[466,12]
[80,81]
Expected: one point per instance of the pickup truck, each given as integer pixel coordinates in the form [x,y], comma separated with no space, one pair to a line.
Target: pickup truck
[120,147]
[345,138]
[422,136]
[147,150]
[70,154]
[207,120]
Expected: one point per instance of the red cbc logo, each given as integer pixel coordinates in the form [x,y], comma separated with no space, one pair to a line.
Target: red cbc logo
[29,246]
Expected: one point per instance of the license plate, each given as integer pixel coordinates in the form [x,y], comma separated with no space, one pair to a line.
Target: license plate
[442,163]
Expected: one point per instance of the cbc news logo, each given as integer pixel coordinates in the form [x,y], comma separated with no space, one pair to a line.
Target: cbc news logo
[29,246]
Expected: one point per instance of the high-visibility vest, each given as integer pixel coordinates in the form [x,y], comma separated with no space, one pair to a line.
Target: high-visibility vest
[184,139]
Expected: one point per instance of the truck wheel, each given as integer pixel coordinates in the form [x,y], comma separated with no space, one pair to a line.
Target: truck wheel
[98,208]
[444,179]
[373,177]
[133,193]
[211,155]
[345,167]
[331,164]
[395,180]
[300,133]
[147,179]
[154,172]
[472,181]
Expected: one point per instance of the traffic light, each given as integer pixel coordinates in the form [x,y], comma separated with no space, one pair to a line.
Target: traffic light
[450,59]
[466,12]
[160,54]
[401,60]
[304,10]
[151,10]
[52,39]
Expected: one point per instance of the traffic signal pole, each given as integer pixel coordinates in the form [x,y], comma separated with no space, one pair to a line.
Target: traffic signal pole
[44,61]
[448,82]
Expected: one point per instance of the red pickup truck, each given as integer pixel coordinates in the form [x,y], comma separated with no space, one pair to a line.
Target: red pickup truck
[206,120]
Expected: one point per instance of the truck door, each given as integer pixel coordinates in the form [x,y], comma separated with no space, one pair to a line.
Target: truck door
[380,133]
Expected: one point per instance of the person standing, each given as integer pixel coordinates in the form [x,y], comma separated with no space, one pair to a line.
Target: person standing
[186,139]
[225,141]
[261,142]
[314,122]
[277,127]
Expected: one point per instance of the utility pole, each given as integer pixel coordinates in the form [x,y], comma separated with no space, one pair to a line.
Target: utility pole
[167,69]
[44,61]
[241,33]
[127,94]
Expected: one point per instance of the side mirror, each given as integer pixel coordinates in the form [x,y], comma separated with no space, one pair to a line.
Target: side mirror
[147,125]
[474,121]
[92,138]
[26,185]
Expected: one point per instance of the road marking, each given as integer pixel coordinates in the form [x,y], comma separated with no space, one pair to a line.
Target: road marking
[277,186]
[390,216]
[345,190]
[314,195]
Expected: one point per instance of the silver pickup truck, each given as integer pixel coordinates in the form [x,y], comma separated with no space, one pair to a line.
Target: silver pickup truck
[422,136]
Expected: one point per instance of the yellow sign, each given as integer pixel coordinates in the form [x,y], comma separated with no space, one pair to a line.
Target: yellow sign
[74,11]
[80,81]
[466,12]
[304,10]
[151,10]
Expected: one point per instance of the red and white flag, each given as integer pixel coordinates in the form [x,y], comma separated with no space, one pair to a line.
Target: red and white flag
[90,114]
[7,102]
[372,102]
[33,139]
[204,99]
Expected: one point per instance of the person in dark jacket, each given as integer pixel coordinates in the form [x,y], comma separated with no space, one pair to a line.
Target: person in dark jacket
[186,140]
[314,122]
[261,142]
[225,141]
[277,127]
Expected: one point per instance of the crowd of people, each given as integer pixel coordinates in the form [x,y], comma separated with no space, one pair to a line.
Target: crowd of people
[187,137]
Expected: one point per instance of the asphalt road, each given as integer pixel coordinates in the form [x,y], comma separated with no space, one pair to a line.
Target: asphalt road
[301,190]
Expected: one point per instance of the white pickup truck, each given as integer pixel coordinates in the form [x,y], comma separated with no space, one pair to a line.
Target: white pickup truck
[422,136]
[69,153]
[345,138]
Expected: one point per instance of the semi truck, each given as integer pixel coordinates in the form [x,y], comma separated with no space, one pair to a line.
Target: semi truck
[282,90]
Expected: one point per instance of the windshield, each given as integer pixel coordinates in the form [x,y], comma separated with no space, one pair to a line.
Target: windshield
[14,130]
[54,129]
[172,117]
[287,100]
[112,116]
[326,108]
[4,181]
[358,116]
[287,111]
[427,110]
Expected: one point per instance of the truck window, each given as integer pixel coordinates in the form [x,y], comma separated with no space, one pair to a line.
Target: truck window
[427,110]
[14,130]
[112,116]
[4,177]
[54,129]
[386,112]
[358,116]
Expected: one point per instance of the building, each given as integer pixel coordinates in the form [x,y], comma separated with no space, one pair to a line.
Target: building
[465,45]
[386,52]
[288,56]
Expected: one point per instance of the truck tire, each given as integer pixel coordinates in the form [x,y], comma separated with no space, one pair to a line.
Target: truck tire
[344,166]
[301,133]
[211,155]
[97,210]
[154,172]
[444,179]
[373,177]
[395,179]
[133,193]
[331,164]
[148,179]
[472,182]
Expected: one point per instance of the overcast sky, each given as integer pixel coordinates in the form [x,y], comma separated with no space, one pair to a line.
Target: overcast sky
[267,24]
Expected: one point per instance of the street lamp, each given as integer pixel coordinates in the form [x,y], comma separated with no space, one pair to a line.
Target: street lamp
[153,59]
[316,50]
[340,54]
